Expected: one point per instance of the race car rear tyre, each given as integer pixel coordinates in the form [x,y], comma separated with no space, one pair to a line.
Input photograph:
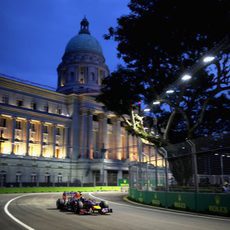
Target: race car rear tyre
[78,207]
[60,204]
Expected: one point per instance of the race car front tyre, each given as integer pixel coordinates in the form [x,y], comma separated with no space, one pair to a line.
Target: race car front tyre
[104,204]
[60,204]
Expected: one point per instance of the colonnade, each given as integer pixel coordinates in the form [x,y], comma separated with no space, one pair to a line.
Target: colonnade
[28,137]
[102,136]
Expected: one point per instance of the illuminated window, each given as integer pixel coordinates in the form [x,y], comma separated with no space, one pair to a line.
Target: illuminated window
[57,153]
[16,148]
[62,81]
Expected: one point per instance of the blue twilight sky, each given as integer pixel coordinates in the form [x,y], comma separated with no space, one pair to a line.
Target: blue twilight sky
[34,33]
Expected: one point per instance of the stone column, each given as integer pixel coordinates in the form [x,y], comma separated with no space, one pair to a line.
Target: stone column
[83,133]
[74,130]
[115,148]
[102,175]
[106,177]
[13,134]
[90,135]
[41,140]
[54,139]
[66,147]
[118,140]
[27,137]
[103,132]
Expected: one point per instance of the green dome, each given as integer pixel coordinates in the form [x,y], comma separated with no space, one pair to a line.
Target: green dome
[83,42]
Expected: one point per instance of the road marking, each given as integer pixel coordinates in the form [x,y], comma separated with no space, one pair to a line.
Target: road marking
[90,194]
[13,217]
[163,211]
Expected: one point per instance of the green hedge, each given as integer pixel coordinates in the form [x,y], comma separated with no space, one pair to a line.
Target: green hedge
[58,189]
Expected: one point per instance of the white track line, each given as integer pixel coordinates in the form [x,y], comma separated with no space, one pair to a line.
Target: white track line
[163,211]
[13,217]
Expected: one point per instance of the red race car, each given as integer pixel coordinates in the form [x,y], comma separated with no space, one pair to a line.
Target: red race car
[75,202]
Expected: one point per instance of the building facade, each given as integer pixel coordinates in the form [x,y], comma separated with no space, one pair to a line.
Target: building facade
[63,137]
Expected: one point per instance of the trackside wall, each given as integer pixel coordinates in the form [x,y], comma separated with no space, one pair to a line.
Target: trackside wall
[211,203]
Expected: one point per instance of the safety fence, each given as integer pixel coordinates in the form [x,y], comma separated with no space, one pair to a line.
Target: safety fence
[199,165]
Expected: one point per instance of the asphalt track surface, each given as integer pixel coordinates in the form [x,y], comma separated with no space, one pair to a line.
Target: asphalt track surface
[38,211]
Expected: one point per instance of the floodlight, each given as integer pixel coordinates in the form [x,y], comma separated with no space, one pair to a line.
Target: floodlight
[208,59]
[186,77]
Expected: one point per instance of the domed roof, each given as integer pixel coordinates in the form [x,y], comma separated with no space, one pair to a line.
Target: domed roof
[84,42]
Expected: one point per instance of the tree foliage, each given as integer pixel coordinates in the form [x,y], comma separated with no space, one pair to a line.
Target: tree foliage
[159,40]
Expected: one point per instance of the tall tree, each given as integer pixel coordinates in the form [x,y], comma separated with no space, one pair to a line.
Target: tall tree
[159,40]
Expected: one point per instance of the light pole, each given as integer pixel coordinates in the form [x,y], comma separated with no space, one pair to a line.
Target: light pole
[194,163]
[222,168]
[166,167]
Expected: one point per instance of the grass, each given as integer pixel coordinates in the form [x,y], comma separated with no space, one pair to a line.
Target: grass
[58,189]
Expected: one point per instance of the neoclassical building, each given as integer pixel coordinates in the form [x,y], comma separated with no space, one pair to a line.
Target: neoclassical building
[63,137]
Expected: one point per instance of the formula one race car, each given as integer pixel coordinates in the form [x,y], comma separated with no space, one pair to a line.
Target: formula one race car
[76,203]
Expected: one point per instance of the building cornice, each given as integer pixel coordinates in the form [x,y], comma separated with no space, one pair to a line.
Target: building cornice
[30,89]
[28,113]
